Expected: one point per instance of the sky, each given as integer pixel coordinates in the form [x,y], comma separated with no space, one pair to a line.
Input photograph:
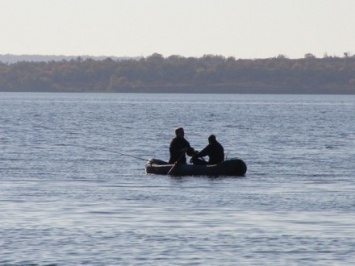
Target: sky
[190,28]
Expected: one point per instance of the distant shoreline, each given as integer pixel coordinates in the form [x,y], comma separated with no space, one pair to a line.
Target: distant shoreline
[175,74]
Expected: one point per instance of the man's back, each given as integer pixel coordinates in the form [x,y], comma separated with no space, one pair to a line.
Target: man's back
[214,151]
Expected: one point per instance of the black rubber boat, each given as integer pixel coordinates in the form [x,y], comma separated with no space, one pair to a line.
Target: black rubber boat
[230,167]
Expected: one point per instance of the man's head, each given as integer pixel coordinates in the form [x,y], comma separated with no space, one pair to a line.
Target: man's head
[212,138]
[179,132]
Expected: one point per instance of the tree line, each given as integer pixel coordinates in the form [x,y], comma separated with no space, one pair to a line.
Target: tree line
[177,74]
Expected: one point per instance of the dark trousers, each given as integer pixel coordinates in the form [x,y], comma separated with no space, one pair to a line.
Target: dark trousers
[198,161]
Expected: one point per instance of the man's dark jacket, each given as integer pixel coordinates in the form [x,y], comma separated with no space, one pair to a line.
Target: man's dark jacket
[214,151]
[176,147]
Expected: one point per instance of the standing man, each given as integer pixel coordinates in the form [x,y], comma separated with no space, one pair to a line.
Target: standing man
[178,147]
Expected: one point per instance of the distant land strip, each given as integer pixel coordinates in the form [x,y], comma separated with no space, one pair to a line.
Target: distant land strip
[177,74]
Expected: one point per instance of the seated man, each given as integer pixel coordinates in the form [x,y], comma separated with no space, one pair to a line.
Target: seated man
[213,150]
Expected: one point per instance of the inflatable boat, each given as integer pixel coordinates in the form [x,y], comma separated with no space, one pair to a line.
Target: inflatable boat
[230,167]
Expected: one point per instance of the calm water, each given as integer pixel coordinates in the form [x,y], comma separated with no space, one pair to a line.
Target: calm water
[71,193]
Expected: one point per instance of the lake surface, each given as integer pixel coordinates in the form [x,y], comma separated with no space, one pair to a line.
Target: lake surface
[73,189]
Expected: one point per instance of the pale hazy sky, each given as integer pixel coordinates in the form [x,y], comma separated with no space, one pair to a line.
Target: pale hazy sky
[239,28]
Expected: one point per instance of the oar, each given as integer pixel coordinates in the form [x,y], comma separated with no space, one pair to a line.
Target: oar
[176,163]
